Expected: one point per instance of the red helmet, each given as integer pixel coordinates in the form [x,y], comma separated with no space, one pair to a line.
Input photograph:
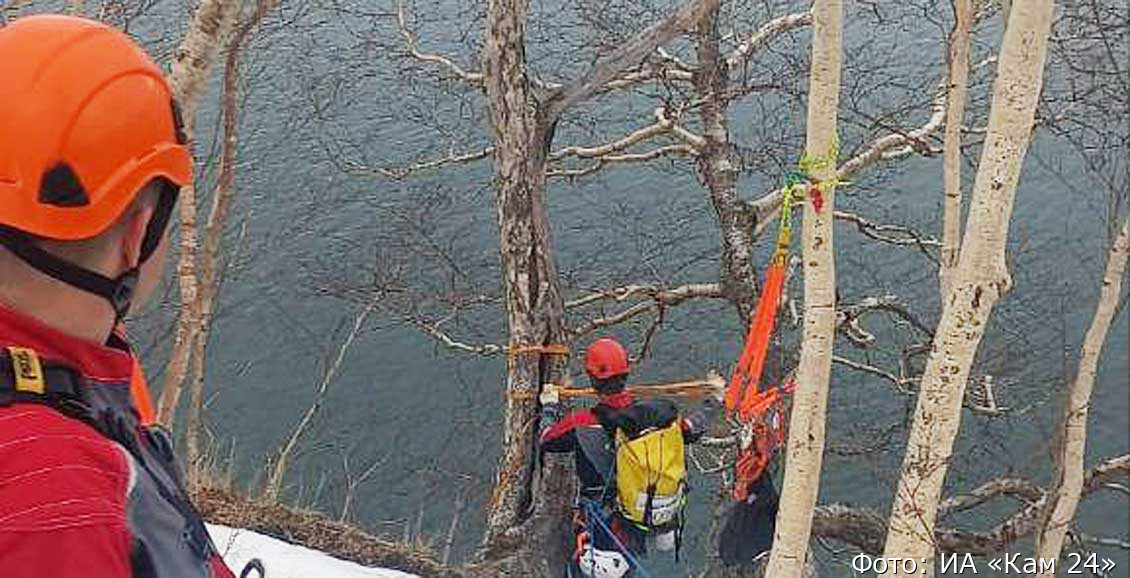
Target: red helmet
[606,358]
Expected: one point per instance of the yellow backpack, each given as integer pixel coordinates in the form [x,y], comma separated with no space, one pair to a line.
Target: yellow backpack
[651,476]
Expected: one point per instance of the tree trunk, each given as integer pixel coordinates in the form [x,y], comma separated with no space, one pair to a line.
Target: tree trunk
[214,229]
[979,281]
[735,221]
[534,306]
[209,281]
[806,426]
[522,534]
[955,113]
[190,70]
[1064,495]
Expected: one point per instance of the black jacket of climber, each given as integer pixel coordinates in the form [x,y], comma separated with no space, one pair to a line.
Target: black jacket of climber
[588,434]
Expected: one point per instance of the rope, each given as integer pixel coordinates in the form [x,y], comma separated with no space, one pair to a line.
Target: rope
[818,188]
[593,513]
[554,349]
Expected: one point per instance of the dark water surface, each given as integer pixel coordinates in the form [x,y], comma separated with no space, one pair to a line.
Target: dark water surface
[326,82]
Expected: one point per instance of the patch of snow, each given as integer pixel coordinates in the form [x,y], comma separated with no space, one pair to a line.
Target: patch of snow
[284,560]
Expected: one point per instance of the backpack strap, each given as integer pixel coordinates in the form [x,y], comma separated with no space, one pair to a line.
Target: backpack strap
[25,378]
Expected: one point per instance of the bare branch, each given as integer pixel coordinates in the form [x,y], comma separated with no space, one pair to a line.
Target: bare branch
[1107,470]
[712,290]
[661,126]
[647,73]
[1110,542]
[768,31]
[448,341]
[681,133]
[399,173]
[988,408]
[658,298]
[1018,488]
[627,55]
[865,529]
[898,145]
[473,78]
[278,468]
[899,382]
[887,303]
[876,230]
[888,147]
[603,153]
[628,158]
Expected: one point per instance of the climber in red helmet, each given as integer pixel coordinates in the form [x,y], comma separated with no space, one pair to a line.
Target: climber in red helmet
[590,434]
[92,157]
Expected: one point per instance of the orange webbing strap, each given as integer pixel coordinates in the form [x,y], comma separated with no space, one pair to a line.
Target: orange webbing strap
[766,433]
[761,402]
[752,462]
[556,349]
[743,389]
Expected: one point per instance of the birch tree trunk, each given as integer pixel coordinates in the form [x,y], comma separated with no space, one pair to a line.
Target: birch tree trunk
[534,306]
[209,281]
[955,112]
[806,426]
[1064,495]
[210,25]
[522,120]
[979,281]
[735,222]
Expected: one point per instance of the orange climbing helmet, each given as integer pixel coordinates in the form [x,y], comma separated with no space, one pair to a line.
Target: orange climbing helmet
[606,358]
[87,120]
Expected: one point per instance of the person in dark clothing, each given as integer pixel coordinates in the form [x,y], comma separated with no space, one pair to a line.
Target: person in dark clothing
[588,435]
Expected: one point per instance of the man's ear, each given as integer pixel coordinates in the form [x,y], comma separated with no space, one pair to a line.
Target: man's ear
[134,236]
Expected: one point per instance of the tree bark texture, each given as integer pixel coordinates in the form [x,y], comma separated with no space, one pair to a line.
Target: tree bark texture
[806,426]
[534,306]
[956,93]
[1073,435]
[980,280]
[718,173]
[191,65]
[522,119]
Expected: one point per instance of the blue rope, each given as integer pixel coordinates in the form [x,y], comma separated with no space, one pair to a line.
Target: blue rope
[594,512]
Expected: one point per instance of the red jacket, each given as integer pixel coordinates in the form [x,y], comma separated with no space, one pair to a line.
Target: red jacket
[96,494]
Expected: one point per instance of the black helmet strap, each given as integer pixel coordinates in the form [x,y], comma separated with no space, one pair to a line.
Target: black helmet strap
[118,291]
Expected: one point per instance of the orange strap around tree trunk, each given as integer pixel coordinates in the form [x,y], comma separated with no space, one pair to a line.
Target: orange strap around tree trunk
[555,349]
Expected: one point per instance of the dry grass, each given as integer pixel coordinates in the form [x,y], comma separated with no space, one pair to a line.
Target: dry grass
[315,530]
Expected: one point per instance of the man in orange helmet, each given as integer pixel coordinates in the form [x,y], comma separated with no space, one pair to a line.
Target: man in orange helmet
[607,551]
[92,156]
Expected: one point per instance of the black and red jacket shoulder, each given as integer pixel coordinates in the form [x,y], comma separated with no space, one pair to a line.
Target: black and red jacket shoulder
[586,434]
[92,493]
